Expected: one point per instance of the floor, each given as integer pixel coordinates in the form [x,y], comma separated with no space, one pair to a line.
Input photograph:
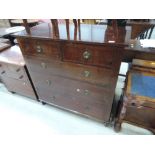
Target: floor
[20,115]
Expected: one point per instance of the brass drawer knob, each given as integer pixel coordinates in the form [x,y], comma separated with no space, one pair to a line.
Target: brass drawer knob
[39,49]
[48,82]
[24,83]
[86,92]
[43,65]
[86,74]
[86,55]
[78,90]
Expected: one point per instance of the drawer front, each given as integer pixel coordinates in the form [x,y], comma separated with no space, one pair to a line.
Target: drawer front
[21,87]
[91,74]
[43,48]
[91,109]
[141,115]
[91,55]
[13,71]
[63,91]
[3,68]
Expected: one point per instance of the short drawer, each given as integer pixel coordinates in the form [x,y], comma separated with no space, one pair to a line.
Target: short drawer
[13,71]
[90,74]
[20,87]
[43,48]
[91,55]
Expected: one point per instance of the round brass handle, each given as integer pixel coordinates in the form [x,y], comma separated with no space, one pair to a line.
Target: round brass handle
[86,55]
[86,73]
[48,82]
[24,83]
[86,92]
[39,49]
[43,65]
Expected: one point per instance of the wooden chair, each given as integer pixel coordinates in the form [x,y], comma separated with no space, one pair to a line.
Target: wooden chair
[18,22]
[56,27]
[77,28]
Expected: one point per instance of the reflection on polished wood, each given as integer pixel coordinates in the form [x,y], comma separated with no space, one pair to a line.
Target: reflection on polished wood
[87,32]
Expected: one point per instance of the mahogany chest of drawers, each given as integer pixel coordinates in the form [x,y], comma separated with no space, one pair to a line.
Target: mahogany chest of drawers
[14,74]
[78,76]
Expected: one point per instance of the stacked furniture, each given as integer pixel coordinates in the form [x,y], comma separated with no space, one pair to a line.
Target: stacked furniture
[14,74]
[138,102]
[73,67]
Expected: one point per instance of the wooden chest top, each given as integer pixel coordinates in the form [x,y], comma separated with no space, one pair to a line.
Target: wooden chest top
[12,55]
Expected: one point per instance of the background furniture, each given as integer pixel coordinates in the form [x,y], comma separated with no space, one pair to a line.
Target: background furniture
[19,22]
[14,74]
[5,33]
[138,101]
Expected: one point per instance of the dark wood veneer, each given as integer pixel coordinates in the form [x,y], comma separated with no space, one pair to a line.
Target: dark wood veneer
[14,74]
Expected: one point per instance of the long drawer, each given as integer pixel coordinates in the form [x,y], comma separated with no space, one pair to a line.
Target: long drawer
[21,87]
[41,48]
[74,95]
[91,74]
[91,109]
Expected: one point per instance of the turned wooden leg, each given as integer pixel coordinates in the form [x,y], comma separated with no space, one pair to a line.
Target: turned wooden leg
[43,103]
[117,126]
[118,122]
[153,131]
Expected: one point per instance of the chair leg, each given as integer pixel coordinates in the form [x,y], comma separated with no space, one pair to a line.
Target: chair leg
[151,32]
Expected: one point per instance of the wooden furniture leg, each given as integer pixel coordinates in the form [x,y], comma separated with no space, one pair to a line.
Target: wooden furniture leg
[120,118]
